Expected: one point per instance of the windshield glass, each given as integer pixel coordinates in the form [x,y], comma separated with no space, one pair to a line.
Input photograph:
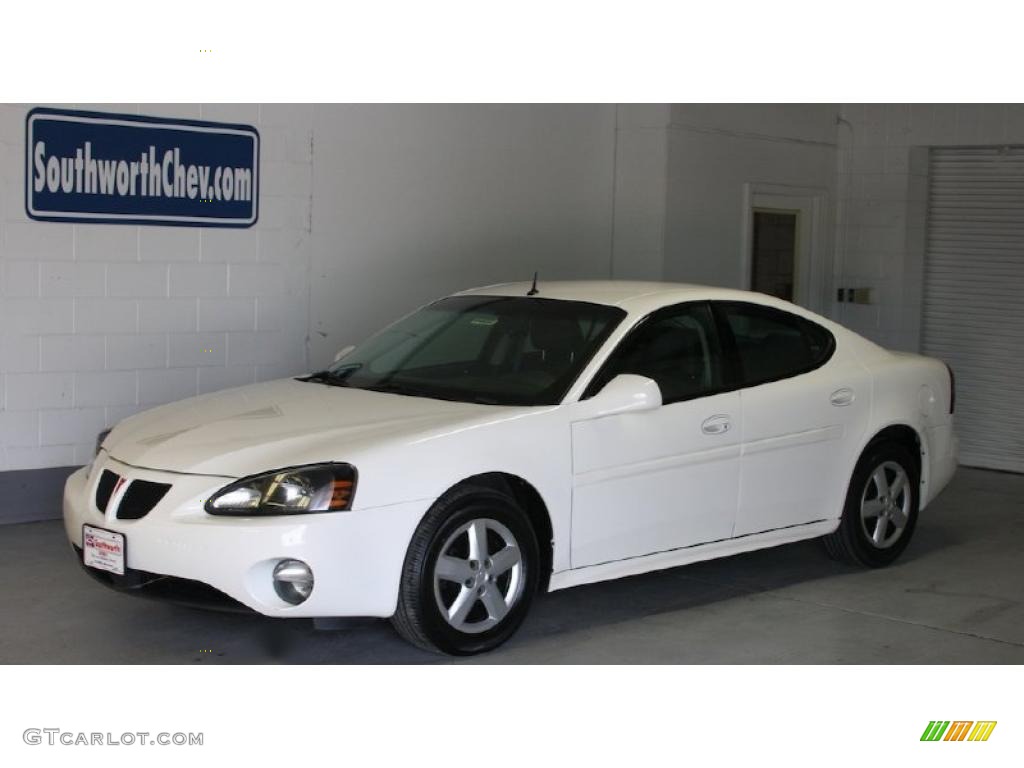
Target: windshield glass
[486,349]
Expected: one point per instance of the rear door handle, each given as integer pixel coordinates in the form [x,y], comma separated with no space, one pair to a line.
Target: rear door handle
[718,424]
[842,397]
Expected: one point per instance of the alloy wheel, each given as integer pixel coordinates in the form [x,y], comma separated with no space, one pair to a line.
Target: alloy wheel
[478,576]
[885,504]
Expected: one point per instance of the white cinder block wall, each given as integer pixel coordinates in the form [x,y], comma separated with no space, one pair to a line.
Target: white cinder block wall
[882,190]
[100,321]
[365,212]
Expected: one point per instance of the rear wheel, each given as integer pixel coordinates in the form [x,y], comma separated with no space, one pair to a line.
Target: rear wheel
[469,575]
[881,508]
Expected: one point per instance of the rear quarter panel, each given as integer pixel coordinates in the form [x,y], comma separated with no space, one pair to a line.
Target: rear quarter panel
[915,391]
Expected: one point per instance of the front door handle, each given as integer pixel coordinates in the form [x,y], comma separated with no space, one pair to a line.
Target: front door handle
[716,425]
[841,397]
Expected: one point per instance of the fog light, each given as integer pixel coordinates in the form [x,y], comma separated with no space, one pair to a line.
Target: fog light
[293,581]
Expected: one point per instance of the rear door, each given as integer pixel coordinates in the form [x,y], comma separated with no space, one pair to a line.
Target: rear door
[805,404]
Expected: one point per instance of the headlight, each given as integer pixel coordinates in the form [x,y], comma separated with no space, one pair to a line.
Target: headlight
[99,441]
[291,491]
[95,454]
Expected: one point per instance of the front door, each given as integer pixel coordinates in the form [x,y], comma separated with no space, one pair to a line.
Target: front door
[663,479]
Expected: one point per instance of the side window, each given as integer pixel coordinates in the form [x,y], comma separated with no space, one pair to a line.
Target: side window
[773,344]
[677,347]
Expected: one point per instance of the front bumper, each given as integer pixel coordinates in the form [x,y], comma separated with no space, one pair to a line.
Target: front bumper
[356,557]
[158,586]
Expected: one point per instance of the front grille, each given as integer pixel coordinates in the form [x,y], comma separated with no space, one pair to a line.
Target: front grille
[104,489]
[140,498]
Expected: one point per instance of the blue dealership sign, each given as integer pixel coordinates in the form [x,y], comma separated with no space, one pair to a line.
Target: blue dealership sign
[93,167]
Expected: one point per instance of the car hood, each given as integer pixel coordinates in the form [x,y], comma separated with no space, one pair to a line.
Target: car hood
[259,427]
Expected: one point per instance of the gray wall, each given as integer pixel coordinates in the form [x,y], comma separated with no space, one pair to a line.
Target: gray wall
[369,211]
[641,186]
[413,202]
[883,183]
[716,149]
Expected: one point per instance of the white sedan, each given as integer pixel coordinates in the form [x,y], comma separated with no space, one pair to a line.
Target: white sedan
[507,441]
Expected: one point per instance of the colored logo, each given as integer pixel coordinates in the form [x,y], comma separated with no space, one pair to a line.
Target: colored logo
[958,730]
[94,167]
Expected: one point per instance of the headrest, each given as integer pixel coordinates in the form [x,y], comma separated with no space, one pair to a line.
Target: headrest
[674,341]
[556,334]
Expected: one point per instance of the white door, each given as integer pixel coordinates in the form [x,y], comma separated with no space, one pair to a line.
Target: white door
[663,479]
[804,406]
[974,296]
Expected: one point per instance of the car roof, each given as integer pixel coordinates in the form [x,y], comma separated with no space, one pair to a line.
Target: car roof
[631,295]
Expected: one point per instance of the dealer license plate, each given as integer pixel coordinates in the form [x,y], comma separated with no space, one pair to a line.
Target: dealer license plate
[103,549]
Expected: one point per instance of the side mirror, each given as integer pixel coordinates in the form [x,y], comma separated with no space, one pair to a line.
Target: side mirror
[344,351]
[626,393]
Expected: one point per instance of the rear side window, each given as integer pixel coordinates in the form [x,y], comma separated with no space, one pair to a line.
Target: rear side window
[772,344]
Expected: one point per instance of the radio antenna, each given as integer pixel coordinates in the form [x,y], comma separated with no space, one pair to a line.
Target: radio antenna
[533,290]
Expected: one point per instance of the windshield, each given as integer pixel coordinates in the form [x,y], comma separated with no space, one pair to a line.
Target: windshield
[484,349]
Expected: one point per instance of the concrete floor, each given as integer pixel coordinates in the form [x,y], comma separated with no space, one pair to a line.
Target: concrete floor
[953,598]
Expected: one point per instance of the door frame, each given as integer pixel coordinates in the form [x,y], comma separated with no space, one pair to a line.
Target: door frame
[810,204]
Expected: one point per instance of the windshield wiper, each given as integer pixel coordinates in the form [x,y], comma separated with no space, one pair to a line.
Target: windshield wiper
[327,377]
[340,379]
[396,388]
[483,400]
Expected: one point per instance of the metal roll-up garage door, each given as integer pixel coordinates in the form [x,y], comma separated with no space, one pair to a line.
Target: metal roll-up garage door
[974,296]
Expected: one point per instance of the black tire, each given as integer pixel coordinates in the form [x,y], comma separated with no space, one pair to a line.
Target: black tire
[851,542]
[418,617]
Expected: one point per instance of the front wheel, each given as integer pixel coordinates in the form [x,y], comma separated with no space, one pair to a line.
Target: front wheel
[881,508]
[469,575]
